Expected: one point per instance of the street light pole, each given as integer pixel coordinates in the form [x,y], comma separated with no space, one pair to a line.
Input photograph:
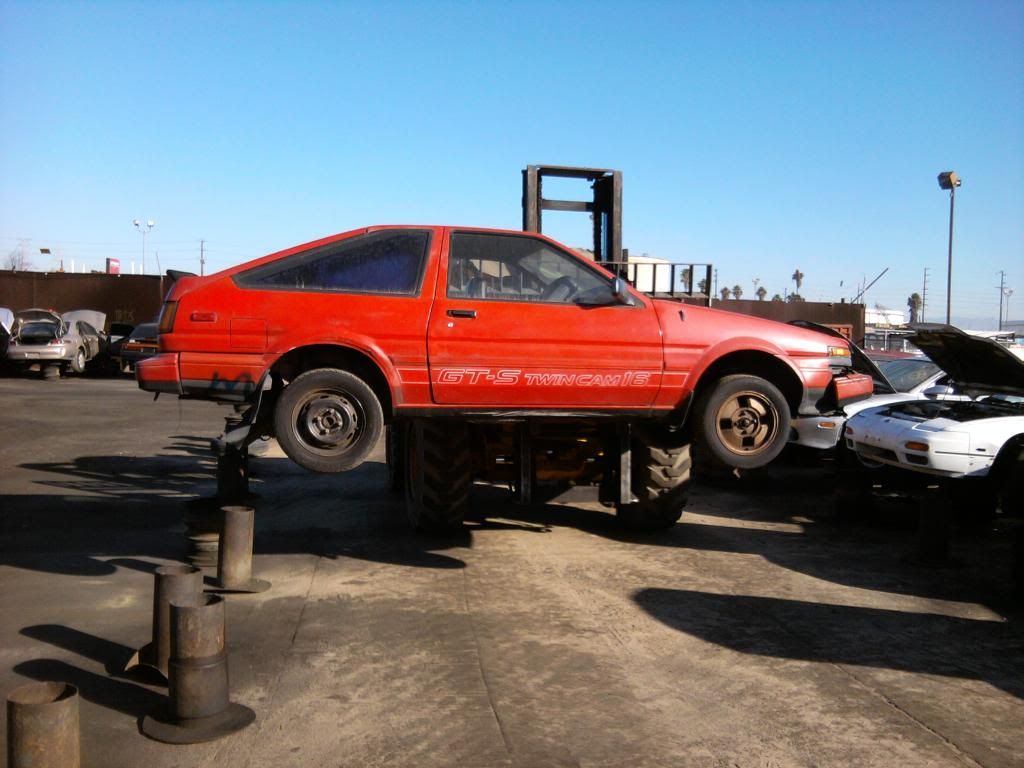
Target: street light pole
[144,230]
[949,180]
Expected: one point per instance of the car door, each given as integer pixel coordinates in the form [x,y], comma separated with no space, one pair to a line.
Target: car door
[518,323]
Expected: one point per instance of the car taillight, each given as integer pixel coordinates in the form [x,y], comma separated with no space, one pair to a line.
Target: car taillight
[167,314]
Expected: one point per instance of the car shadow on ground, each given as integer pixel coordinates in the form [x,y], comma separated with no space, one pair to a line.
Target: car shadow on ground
[100,510]
[803,533]
[849,635]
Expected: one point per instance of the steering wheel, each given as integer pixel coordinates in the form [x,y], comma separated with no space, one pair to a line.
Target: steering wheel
[560,290]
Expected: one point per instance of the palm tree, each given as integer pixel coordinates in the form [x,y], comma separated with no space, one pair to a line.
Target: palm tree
[761,293]
[725,293]
[702,286]
[914,302]
[777,297]
[737,291]
[798,278]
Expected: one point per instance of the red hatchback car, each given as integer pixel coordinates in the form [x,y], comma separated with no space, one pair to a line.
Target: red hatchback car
[448,330]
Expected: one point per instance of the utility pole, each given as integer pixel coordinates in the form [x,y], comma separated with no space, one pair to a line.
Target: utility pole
[1002,289]
[716,282]
[202,256]
[924,294]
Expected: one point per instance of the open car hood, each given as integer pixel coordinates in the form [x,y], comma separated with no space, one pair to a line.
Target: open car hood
[6,318]
[96,319]
[973,362]
[861,362]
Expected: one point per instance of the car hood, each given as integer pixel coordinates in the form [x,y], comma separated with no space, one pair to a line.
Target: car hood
[861,362]
[974,362]
[96,319]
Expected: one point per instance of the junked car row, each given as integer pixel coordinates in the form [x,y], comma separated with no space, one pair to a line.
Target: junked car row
[60,343]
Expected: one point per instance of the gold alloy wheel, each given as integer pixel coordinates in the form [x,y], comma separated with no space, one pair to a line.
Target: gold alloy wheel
[747,423]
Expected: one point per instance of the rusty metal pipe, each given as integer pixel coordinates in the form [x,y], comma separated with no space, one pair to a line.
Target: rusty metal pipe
[171,583]
[199,708]
[198,679]
[234,556]
[43,726]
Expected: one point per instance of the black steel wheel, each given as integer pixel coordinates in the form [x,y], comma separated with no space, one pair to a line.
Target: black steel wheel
[742,421]
[439,474]
[328,420]
[661,475]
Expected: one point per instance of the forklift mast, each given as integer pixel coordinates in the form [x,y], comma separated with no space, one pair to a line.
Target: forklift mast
[655,277]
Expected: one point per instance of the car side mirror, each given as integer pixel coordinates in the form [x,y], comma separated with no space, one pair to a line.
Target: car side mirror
[621,291]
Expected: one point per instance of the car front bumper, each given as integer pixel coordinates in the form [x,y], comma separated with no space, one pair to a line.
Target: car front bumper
[942,453]
[820,432]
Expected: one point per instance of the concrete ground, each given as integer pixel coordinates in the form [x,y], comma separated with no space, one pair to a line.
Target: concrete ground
[758,632]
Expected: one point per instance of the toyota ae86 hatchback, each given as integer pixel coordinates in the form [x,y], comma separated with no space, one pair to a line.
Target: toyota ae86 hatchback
[461,334]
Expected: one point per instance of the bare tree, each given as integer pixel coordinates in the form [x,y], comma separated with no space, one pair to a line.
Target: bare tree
[761,293]
[16,259]
[737,291]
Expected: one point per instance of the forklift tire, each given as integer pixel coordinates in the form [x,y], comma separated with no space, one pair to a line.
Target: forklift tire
[395,438]
[439,474]
[660,482]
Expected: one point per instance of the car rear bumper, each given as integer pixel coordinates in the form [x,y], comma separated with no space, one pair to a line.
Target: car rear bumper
[201,376]
[42,354]
[159,374]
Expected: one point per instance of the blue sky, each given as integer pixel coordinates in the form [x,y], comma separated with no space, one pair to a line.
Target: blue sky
[759,136]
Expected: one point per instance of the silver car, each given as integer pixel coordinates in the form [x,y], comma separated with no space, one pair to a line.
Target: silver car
[56,343]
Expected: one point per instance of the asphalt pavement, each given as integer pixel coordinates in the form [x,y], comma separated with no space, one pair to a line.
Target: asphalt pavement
[760,631]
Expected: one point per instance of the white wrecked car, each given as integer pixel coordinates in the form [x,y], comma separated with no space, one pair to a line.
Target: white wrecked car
[982,438]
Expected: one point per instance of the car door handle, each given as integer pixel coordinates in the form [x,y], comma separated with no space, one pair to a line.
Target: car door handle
[470,313]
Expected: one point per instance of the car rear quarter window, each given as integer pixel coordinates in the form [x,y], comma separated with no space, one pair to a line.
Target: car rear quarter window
[389,262]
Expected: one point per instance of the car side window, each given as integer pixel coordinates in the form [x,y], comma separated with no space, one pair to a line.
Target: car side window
[388,262]
[518,268]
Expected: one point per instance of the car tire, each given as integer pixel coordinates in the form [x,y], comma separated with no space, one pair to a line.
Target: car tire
[661,476]
[78,361]
[439,474]
[741,421]
[328,420]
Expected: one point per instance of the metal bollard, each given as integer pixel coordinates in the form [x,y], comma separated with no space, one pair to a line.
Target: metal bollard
[42,726]
[171,584]
[199,708]
[202,526]
[234,556]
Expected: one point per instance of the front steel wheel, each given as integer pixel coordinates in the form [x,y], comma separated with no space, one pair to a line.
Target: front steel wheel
[743,421]
[328,420]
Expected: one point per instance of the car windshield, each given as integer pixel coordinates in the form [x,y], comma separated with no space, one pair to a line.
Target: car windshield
[908,373]
[38,332]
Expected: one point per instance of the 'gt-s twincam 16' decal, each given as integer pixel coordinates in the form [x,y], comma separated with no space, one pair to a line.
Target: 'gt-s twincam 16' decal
[514,376]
